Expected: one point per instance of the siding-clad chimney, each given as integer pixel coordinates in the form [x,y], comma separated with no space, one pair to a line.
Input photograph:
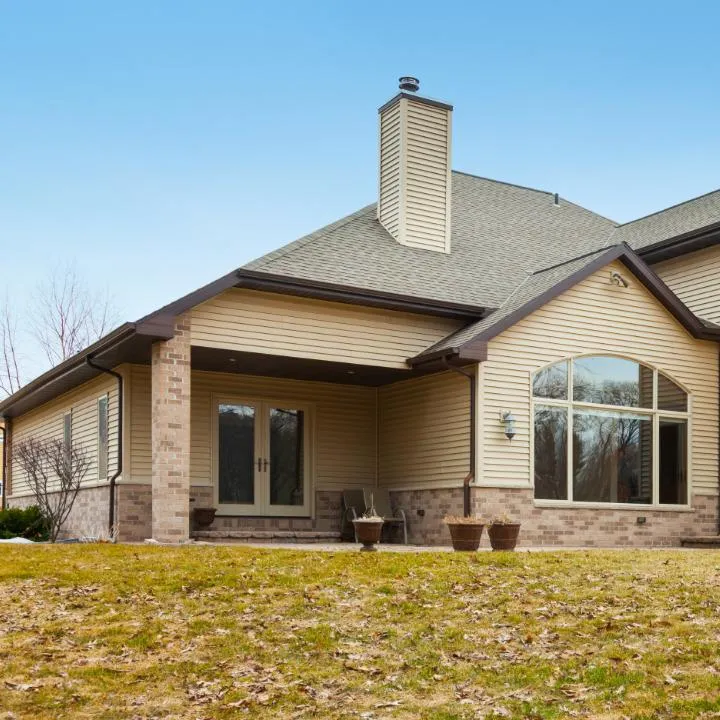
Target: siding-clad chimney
[415,180]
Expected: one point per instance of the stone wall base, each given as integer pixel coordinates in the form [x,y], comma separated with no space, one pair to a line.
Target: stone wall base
[556,527]
[425,510]
[89,516]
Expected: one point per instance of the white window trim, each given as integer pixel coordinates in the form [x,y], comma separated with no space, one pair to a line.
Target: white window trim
[106,397]
[654,413]
[227,509]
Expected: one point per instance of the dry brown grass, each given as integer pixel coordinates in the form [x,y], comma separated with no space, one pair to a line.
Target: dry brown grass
[211,632]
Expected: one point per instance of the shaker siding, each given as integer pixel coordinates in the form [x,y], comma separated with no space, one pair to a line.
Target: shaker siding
[260,322]
[695,279]
[46,422]
[424,432]
[595,316]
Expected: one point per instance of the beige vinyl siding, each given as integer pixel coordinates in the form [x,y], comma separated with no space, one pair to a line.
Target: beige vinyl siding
[139,459]
[427,184]
[343,424]
[260,322]
[695,279]
[46,422]
[594,316]
[389,199]
[424,437]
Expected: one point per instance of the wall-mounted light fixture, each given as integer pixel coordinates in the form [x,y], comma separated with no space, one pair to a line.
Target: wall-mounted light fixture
[617,279]
[507,419]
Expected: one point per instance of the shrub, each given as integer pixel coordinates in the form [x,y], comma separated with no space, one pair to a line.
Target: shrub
[26,522]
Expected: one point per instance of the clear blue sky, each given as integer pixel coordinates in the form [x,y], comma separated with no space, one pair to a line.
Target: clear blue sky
[162,144]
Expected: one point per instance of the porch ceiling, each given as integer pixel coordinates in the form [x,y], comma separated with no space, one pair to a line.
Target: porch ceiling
[232,361]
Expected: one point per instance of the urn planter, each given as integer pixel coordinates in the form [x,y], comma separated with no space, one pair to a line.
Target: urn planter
[203,517]
[368,531]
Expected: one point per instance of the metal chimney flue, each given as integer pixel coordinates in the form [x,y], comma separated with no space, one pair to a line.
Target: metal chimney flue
[409,84]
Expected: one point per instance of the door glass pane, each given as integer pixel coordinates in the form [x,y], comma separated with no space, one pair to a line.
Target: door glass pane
[551,453]
[612,457]
[670,395]
[551,381]
[673,462]
[236,450]
[287,457]
[612,381]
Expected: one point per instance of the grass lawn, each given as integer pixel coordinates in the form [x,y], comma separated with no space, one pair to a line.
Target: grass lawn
[215,632]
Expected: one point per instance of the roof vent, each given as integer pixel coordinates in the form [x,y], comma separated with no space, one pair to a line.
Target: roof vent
[556,199]
[409,84]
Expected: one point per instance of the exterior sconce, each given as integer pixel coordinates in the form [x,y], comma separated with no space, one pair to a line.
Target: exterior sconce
[507,419]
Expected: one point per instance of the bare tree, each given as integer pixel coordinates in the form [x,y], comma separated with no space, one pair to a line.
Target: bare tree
[10,379]
[54,471]
[66,316]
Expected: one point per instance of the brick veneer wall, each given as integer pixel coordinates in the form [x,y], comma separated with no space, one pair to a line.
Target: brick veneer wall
[89,516]
[170,375]
[133,512]
[560,527]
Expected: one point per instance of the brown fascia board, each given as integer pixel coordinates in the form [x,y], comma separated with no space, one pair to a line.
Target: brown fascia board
[688,242]
[415,98]
[256,280]
[57,373]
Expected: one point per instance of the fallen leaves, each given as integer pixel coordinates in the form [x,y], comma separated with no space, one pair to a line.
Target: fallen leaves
[236,632]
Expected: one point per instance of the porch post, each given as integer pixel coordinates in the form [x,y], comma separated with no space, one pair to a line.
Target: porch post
[171,435]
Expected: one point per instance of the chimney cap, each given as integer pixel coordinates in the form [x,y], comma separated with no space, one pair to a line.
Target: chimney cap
[409,84]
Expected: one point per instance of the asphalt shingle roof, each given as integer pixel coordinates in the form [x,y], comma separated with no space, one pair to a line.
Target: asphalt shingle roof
[500,233]
[671,222]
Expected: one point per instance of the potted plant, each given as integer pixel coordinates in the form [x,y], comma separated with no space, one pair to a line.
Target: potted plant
[465,532]
[368,528]
[203,517]
[503,533]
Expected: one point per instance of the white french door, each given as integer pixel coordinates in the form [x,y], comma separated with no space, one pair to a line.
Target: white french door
[262,457]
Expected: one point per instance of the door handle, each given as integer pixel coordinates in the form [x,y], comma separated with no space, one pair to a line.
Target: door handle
[259,464]
[265,464]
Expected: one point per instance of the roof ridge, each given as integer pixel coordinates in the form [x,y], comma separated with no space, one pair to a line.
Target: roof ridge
[669,207]
[304,240]
[503,182]
[575,257]
[537,190]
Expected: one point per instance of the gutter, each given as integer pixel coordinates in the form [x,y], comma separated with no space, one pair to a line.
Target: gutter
[118,470]
[59,371]
[5,458]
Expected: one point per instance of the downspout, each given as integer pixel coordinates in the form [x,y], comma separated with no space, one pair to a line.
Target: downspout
[471,474]
[3,500]
[118,471]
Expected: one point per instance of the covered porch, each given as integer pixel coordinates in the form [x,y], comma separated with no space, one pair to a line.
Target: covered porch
[271,441]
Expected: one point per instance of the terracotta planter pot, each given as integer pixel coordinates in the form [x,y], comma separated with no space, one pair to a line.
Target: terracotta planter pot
[465,536]
[504,537]
[203,517]
[368,533]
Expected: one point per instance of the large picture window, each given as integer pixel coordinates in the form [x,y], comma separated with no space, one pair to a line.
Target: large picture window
[609,430]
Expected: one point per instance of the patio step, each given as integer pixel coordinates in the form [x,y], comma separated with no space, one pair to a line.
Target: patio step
[709,542]
[269,536]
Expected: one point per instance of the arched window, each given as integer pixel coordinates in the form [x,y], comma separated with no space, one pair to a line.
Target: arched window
[609,430]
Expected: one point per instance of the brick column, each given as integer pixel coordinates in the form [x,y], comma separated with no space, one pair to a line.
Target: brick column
[171,435]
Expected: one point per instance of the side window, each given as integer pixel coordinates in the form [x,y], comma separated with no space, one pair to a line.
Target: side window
[67,433]
[102,428]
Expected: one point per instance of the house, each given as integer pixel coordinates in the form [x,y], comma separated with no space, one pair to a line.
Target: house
[469,344]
